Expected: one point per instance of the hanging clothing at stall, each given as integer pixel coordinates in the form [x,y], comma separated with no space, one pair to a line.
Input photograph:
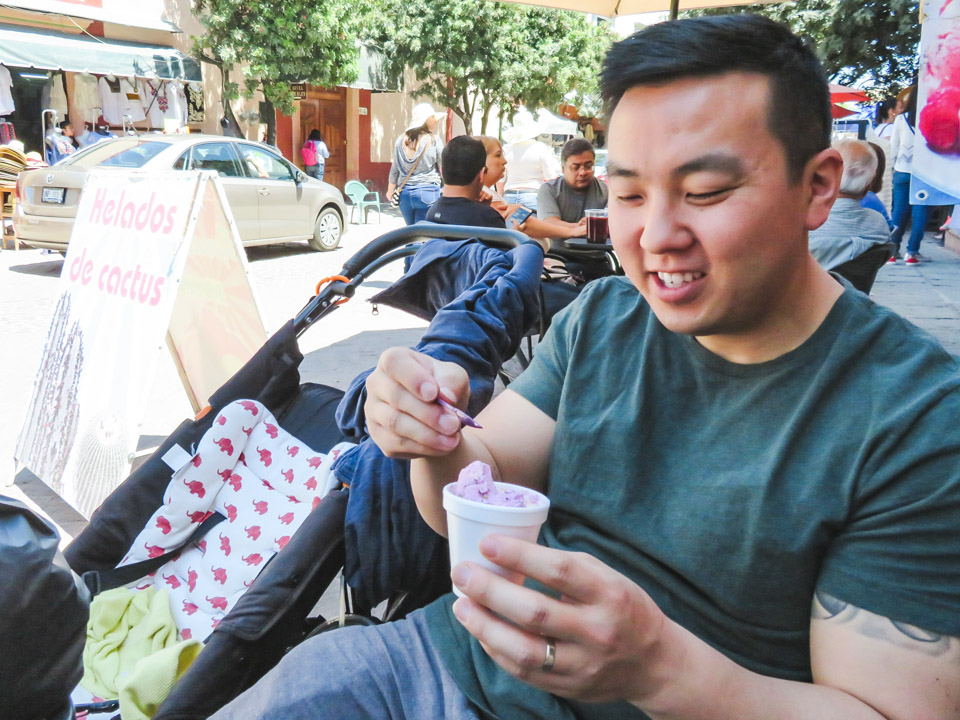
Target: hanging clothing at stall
[195,109]
[54,95]
[119,97]
[7,106]
[86,97]
[176,102]
[153,97]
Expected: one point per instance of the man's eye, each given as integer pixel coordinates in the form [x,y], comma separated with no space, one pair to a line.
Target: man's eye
[708,195]
[629,198]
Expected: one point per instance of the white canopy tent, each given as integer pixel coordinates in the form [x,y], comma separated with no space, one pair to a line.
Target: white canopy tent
[554,124]
[613,8]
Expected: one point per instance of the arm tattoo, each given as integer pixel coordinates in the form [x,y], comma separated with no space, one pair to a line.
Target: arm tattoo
[831,609]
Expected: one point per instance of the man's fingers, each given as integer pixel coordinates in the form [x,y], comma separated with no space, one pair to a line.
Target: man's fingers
[420,441]
[453,381]
[386,397]
[528,609]
[576,575]
[412,370]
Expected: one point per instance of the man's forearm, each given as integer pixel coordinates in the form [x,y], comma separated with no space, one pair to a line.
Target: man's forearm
[428,476]
[704,684]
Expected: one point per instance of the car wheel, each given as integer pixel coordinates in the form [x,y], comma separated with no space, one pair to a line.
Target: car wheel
[327,230]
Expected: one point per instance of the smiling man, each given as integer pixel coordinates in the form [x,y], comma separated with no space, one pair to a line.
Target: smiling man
[755,491]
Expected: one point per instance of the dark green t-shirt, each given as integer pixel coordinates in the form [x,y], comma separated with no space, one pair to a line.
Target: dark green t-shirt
[730,492]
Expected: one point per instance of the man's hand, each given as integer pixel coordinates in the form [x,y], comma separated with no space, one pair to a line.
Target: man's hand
[577,230]
[403,416]
[611,640]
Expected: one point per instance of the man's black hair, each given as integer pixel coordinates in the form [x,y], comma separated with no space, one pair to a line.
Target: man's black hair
[799,113]
[461,160]
[576,146]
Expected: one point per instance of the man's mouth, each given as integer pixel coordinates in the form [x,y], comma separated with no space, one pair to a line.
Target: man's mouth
[677,280]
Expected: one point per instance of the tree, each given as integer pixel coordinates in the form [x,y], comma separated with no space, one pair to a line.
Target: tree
[473,54]
[873,43]
[279,43]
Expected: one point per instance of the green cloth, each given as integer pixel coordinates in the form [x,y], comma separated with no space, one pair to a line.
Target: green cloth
[730,492]
[124,627]
[153,678]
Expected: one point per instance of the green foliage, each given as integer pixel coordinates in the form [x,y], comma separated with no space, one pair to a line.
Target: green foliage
[280,42]
[474,54]
[869,42]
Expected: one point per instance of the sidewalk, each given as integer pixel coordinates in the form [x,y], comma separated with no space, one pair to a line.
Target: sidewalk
[927,294]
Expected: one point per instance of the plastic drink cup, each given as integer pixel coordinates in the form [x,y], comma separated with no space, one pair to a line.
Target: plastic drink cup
[598,230]
[469,521]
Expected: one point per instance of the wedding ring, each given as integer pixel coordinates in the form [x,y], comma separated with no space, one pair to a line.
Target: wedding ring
[551,654]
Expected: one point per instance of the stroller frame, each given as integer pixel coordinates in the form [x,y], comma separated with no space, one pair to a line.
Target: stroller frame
[274,614]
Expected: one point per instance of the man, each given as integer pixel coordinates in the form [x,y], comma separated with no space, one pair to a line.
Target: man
[850,229]
[564,201]
[465,172]
[728,437]
[463,165]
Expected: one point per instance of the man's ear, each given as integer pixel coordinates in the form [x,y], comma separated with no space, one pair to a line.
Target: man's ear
[821,178]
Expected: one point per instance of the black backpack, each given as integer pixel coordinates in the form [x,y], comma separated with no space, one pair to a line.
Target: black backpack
[43,617]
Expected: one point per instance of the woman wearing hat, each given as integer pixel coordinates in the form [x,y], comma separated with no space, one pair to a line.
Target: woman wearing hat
[416,165]
[530,163]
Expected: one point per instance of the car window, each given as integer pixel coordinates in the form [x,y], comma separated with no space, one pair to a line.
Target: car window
[182,161]
[218,156]
[264,164]
[123,152]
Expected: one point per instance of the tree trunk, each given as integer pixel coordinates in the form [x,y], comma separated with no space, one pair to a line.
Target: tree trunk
[271,122]
[485,119]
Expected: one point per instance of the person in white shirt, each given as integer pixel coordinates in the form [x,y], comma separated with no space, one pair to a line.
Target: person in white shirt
[530,163]
[901,150]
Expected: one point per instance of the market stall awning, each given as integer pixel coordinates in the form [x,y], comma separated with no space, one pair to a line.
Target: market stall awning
[47,50]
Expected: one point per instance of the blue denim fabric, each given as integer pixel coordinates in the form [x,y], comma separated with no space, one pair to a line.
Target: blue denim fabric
[360,673]
[901,209]
[416,200]
[312,171]
[527,198]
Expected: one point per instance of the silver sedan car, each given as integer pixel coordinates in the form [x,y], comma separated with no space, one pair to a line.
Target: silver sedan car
[271,199]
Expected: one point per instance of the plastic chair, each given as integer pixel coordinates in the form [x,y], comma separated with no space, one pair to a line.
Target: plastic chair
[863,269]
[363,198]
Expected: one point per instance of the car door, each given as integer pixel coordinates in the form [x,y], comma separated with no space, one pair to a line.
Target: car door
[283,214]
[241,194]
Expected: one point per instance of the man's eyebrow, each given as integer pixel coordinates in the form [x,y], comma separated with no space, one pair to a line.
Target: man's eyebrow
[712,162]
[615,170]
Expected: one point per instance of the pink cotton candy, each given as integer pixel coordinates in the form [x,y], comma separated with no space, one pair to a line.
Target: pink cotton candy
[476,483]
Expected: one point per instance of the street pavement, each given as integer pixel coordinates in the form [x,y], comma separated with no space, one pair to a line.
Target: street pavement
[336,349]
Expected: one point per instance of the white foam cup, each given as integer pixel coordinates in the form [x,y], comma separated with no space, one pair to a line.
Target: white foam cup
[469,521]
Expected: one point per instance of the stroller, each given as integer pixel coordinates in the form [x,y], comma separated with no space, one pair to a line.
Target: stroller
[482,302]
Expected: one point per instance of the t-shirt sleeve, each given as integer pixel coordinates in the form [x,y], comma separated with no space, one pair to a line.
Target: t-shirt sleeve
[542,382]
[547,205]
[900,552]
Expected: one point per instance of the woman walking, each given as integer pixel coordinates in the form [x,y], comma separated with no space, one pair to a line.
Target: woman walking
[315,153]
[901,150]
[415,170]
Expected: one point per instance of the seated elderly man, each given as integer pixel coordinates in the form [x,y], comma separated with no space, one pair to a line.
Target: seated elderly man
[850,229]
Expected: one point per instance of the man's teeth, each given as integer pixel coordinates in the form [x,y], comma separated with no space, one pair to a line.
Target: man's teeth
[675,280]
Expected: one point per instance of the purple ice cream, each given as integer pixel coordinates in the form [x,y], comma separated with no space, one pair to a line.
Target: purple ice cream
[476,483]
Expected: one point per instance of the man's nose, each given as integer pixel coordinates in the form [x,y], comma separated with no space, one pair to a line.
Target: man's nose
[661,231]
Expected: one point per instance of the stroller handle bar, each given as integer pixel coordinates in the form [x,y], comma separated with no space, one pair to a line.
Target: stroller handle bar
[389,247]
[422,231]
